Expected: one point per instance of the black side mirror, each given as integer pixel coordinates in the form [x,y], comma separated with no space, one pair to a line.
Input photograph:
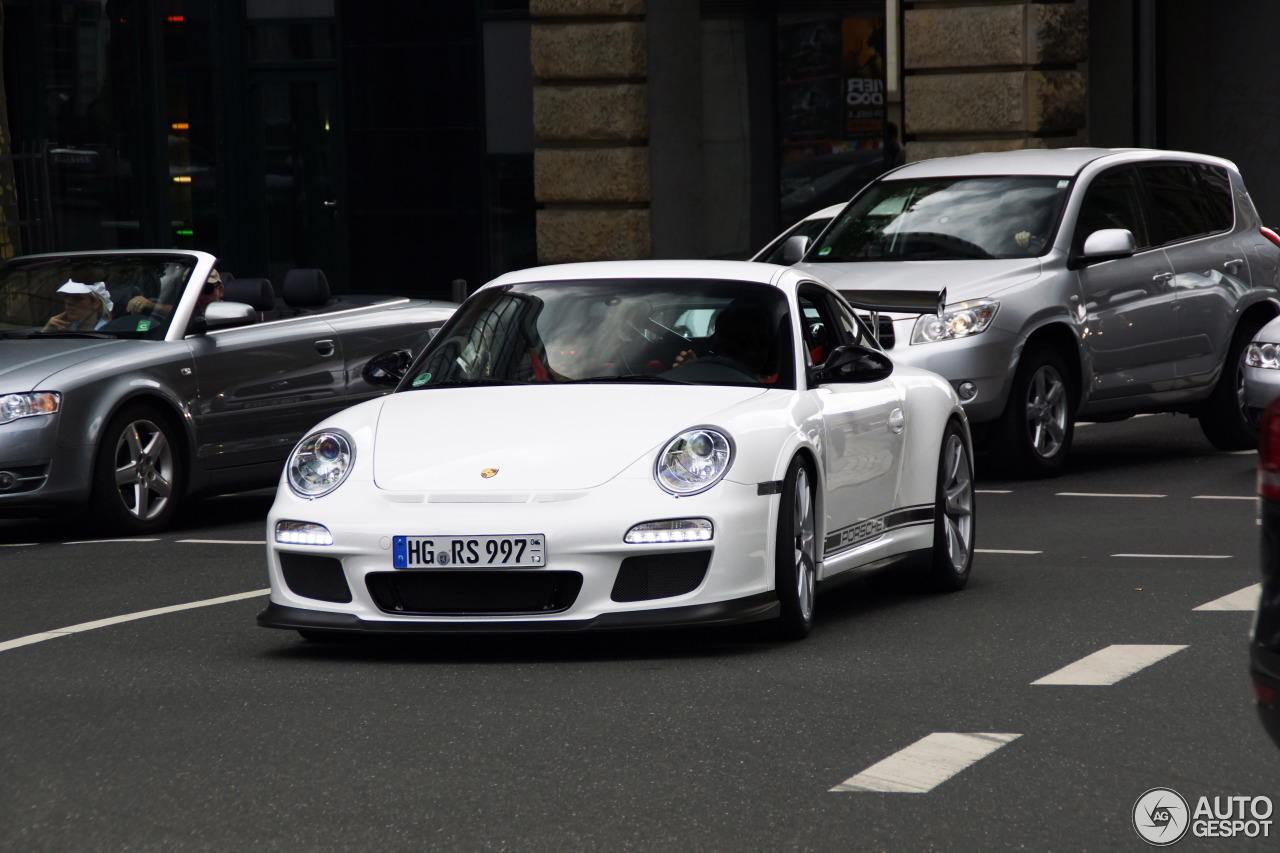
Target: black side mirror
[853,363]
[387,368]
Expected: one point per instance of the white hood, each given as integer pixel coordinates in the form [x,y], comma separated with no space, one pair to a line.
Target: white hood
[538,437]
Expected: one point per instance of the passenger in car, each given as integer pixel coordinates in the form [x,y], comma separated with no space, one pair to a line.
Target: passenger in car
[86,307]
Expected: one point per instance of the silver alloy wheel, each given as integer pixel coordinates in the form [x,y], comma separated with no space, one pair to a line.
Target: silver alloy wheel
[805,545]
[144,467]
[1047,411]
[957,503]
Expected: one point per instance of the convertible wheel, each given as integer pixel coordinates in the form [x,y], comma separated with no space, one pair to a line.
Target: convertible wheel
[796,555]
[137,478]
[1226,421]
[953,526]
[1033,436]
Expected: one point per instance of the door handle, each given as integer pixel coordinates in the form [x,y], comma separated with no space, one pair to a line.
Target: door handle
[1162,276]
[325,348]
[1233,265]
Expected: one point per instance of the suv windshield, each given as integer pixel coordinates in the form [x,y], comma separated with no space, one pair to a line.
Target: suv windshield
[90,295]
[682,331]
[947,219]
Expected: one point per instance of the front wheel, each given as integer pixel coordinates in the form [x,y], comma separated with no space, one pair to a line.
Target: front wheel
[1033,436]
[796,554]
[954,523]
[1226,420]
[137,478]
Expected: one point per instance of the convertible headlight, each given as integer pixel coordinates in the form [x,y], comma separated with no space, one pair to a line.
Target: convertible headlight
[14,406]
[1262,355]
[693,461]
[320,463]
[962,320]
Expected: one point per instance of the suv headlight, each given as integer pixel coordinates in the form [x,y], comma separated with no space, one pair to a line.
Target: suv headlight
[15,406]
[1262,355]
[693,461]
[320,463]
[962,320]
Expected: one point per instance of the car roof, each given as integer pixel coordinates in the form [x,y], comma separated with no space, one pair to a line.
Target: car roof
[725,270]
[1060,162]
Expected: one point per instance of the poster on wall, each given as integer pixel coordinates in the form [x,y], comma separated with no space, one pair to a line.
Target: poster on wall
[831,110]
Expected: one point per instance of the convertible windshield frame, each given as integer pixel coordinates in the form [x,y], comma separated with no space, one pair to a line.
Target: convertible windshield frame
[614,331]
[963,218]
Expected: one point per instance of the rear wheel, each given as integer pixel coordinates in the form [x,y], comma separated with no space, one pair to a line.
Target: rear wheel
[1033,436]
[1225,420]
[137,478]
[796,554]
[953,526]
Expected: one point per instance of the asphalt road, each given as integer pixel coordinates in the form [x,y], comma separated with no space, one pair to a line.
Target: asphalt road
[193,729]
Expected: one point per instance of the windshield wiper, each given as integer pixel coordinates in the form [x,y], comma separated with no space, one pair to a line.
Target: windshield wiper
[102,336]
[628,377]
[473,383]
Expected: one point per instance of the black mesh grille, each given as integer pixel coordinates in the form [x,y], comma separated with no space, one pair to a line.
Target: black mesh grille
[315,577]
[474,593]
[660,575]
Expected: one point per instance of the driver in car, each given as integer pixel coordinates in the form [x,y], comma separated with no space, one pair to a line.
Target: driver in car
[744,336]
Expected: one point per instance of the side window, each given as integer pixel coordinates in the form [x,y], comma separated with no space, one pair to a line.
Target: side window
[1180,208]
[827,323]
[1112,201]
[1217,184]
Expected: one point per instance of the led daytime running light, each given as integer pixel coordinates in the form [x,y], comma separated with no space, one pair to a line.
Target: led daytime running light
[674,530]
[302,533]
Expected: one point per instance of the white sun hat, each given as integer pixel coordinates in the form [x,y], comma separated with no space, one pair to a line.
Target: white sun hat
[98,289]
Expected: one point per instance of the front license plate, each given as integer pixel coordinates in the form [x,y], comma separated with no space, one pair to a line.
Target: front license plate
[437,552]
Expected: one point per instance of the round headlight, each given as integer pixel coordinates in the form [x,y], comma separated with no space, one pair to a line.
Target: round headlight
[694,461]
[320,463]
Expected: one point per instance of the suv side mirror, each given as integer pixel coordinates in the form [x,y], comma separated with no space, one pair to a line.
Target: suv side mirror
[853,363]
[793,249]
[1107,245]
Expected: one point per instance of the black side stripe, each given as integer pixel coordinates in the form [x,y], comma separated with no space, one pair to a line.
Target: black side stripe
[864,531]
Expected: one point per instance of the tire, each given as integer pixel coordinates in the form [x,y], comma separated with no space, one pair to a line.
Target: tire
[1032,438]
[796,555]
[954,519]
[137,477]
[1225,419]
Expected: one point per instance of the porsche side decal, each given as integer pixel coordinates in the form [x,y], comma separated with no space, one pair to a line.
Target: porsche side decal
[864,531]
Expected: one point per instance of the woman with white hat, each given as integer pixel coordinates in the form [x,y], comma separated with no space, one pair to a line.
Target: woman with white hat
[86,307]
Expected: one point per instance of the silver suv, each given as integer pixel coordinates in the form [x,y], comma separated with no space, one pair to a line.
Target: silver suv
[1079,283]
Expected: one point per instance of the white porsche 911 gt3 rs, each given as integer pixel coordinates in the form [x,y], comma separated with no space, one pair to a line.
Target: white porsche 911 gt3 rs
[623,445]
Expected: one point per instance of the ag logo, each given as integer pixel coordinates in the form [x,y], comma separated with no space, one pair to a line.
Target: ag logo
[1161,816]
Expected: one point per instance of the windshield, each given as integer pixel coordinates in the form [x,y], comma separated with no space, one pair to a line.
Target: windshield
[947,219]
[36,299]
[678,331]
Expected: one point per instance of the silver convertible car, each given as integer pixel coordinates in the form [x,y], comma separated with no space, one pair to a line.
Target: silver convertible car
[132,379]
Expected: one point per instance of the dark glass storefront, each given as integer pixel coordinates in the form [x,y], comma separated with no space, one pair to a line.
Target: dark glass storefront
[276,134]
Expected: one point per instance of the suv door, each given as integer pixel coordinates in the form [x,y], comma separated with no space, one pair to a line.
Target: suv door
[1194,215]
[863,426]
[1129,303]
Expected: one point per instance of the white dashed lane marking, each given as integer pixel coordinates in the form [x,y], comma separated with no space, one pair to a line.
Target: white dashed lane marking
[1175,556]
[1109,665]
[1241,599]
[106,541]
[1104,495]
[128,617]
[1224,497]
[927,763]
[224,541]
[1003,551]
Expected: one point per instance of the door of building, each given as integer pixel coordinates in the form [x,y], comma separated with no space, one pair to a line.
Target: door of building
[296,158]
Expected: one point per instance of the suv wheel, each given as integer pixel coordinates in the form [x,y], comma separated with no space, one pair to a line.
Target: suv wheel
[1033,436]
[1225,419]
